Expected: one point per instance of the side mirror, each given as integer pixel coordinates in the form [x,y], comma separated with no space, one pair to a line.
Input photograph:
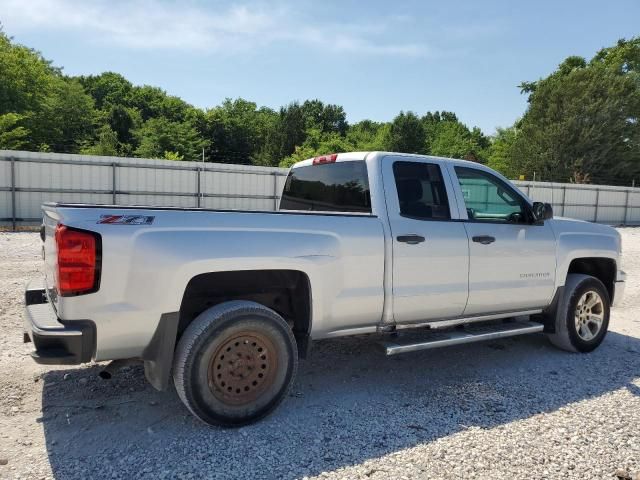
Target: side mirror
[542,211]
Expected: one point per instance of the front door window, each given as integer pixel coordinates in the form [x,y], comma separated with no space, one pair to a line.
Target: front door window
[489,199]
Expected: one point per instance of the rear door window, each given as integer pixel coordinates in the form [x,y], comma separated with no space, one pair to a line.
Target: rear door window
[339,187]
[421,191]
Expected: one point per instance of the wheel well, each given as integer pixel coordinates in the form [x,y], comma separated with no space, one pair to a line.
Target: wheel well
[287,292]
[604,269]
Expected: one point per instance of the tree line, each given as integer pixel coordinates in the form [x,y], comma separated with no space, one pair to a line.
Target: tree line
[582,122]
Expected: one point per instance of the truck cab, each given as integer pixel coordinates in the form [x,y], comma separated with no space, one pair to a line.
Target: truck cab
[461,240]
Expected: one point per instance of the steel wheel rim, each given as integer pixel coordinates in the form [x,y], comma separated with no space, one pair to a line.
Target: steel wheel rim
[589,315]
[242,368]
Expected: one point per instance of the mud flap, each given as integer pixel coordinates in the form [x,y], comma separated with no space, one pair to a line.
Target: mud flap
[158,356]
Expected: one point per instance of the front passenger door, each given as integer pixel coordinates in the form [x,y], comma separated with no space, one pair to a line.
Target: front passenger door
[512,261]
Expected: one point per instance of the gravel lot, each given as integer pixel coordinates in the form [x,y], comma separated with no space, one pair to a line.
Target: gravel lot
[516,408]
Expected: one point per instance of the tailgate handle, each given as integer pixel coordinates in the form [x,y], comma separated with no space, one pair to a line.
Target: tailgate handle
[484,239]
[410,239]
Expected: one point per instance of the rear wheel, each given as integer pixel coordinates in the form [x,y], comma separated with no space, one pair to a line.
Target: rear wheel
[235,363]
[582,316]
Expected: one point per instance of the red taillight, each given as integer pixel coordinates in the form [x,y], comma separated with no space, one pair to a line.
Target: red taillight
[77,270]
[325,159]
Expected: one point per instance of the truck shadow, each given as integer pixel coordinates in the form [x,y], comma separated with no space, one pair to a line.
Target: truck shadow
[349,404]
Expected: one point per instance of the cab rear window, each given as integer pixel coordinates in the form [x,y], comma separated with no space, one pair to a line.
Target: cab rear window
[331,187]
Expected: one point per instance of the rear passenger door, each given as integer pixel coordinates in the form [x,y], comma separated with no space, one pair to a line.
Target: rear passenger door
[430,251]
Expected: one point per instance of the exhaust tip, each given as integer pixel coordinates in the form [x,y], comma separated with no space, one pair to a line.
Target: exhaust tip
[115,366]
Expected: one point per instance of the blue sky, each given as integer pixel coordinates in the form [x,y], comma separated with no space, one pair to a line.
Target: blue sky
[374,58]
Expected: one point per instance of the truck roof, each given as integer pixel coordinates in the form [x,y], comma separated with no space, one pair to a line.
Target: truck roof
[351,156]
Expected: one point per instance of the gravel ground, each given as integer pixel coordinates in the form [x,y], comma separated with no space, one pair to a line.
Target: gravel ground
[515,408]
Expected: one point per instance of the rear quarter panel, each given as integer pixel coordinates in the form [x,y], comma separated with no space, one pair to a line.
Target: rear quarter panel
[146,268]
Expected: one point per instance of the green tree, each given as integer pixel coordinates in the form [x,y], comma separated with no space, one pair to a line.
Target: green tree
[53,110]
[582,121]
[106,144]
[368,135]
[291,128]
[454,140]
[153,102]
[13,136]
[318,143]
[266,151]
[107,89]
[159,135]
[326,118]
[65,120]
[432,123]
[406,134]
[500,152]
[173,156]
[122,121]
[447,136]
[26,79]
[237,132]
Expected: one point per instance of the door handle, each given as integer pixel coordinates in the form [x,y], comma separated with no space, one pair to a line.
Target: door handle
[410,239]
[484,239]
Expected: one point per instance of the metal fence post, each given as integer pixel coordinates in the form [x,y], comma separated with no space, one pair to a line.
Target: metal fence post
[595,217]
[13,194]
[626,209]
[275,191]
[198,186]
[564,195]
[113,183]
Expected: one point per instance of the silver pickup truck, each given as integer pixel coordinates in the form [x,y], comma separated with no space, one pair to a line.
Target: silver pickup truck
[422,251]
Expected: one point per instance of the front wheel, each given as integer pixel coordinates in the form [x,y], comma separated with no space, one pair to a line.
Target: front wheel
[582,316]
[235,363]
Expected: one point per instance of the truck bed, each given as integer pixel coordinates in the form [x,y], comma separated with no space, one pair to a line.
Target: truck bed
[146,267]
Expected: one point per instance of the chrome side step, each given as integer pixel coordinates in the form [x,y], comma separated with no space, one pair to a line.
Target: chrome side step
[474,333]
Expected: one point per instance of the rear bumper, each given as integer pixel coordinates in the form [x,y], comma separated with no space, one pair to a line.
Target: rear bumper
[618,293]
[56,342]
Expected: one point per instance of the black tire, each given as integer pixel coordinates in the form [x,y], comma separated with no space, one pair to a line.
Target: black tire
[235,363]
[568,335]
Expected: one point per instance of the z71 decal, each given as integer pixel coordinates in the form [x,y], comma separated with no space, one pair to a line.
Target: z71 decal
[126,219]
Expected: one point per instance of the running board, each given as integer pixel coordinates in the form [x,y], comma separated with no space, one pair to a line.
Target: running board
[470,334]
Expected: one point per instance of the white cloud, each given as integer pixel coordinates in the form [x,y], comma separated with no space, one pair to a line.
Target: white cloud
[147,25]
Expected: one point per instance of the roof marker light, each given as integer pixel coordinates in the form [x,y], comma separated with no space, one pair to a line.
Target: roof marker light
[325,159]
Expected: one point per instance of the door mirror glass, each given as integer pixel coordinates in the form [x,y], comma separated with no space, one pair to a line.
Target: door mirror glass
[542,211]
